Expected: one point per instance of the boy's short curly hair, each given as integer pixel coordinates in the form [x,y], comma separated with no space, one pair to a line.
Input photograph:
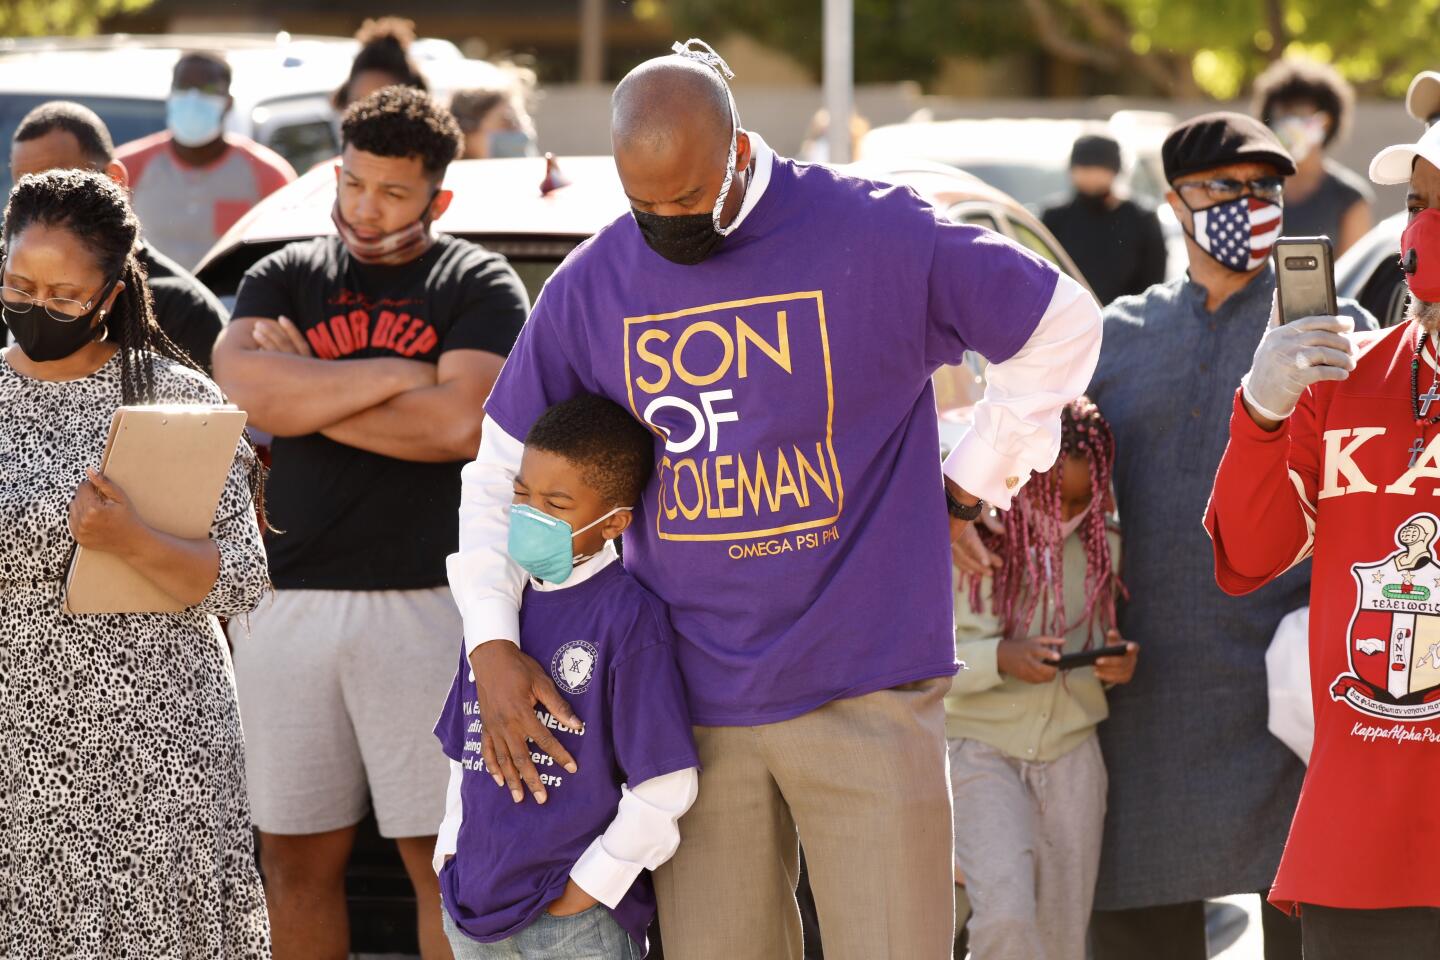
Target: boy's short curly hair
[1299,80]
[403,122]
[614,452]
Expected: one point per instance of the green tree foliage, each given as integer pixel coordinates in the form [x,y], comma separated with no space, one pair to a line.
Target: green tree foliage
[1218,47]
[43,18]
[1176,47]
[894,39]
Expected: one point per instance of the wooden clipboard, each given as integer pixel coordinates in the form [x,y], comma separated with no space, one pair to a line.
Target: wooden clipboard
[172,462]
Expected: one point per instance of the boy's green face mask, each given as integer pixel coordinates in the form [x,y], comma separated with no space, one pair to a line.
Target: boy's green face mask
[544,545]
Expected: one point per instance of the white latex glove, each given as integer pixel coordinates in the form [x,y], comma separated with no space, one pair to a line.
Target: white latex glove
[1293,356]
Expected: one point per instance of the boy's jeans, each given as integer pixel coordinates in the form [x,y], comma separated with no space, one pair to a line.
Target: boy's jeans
[590,935]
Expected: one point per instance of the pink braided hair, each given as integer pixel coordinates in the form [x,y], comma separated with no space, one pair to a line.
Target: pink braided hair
[1029,587]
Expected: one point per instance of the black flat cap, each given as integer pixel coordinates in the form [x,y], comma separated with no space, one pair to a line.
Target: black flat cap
[1217,139]
[1093,150]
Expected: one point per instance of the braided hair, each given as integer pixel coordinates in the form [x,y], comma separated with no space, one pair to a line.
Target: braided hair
[384,48]
[94,209]
[1029,587]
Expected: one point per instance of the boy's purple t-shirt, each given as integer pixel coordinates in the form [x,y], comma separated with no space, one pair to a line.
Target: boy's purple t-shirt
[796,523]
[608,646]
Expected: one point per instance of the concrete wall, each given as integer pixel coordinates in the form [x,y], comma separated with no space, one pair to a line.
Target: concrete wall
[575,120]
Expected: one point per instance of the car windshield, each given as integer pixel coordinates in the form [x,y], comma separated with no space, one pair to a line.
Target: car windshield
[127,119]
[1030,184]
[1036,185]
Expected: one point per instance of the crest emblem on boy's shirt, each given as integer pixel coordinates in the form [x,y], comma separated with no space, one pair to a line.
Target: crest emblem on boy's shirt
[1393,642]
[573,666]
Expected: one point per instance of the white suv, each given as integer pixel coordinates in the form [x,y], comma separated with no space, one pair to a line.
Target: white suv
[281,84]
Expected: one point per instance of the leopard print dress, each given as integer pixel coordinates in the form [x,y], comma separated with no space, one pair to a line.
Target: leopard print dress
[124,826]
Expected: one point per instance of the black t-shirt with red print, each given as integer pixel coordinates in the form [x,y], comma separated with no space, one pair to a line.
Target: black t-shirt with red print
[355,520]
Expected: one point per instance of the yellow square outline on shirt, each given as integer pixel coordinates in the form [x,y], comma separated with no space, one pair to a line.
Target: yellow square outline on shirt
[819,297]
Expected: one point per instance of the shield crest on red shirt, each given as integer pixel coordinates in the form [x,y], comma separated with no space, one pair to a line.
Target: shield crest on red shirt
[1394,636]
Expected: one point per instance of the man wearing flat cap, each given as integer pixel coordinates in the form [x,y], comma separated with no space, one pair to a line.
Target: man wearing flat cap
[1116,243]
[1201,794]
[1335,451]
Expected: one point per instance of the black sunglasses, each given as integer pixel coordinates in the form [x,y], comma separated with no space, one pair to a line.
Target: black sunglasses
[1225,189]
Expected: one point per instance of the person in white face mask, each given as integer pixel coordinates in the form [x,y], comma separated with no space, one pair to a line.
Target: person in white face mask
[193,180]
[496,119]
[1308,106]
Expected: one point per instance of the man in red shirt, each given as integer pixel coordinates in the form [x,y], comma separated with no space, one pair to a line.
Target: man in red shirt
[190,182]
[1335,452]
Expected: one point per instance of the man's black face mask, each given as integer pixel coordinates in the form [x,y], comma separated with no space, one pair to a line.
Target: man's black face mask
[686,239]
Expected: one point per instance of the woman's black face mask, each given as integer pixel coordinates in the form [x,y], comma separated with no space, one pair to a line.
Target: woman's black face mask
[686,239]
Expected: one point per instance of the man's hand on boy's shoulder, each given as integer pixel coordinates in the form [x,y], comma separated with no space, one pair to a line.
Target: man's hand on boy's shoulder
[508,686]
[572,901]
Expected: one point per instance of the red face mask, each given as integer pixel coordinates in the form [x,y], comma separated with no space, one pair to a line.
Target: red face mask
[1420,255]
[395,248]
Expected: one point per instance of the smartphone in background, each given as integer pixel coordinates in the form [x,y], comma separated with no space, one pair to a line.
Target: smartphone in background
[1085,658]
[1305,277]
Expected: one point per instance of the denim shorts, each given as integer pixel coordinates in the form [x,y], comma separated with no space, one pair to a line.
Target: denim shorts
[589,935]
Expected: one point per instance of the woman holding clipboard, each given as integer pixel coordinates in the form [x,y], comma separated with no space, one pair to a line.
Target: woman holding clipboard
[124,826]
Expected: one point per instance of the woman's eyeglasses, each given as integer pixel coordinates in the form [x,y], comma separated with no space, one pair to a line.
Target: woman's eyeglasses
[1225,189]
[56,308]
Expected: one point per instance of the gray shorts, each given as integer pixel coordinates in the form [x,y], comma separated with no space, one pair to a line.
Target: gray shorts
[339,692]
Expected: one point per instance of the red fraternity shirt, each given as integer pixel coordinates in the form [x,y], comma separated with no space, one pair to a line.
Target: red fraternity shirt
[1353,481]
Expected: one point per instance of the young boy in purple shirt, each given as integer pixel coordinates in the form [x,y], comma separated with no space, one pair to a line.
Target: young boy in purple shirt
[535,889]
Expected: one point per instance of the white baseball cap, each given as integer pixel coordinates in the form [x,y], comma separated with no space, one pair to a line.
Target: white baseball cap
[1393,164]
[1423,98]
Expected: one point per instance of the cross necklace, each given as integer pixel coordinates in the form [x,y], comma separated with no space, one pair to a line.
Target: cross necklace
[1420,404]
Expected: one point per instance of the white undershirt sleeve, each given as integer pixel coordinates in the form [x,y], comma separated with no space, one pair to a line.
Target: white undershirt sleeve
[1016,428]
[485,582]
[449,831]
[643,835]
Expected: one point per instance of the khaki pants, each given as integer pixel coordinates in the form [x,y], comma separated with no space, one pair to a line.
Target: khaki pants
[864,782]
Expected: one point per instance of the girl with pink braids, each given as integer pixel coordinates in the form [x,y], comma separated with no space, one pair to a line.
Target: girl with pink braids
[1025,764]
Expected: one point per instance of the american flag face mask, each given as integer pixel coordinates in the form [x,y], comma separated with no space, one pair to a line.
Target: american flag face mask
[1238,233]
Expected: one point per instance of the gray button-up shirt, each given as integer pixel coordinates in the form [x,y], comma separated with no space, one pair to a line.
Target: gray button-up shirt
[1201,794]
